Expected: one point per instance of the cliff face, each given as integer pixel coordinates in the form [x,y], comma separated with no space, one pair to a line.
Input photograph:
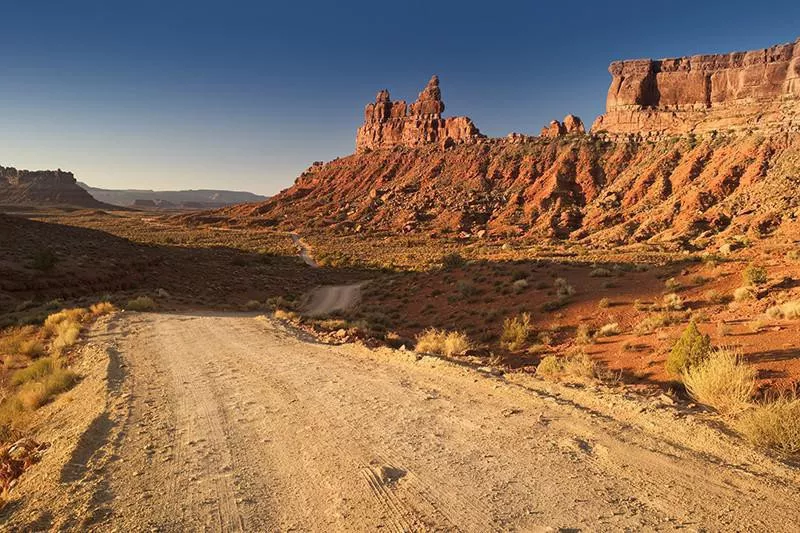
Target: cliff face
[388,124]
[43,187]
[759,89]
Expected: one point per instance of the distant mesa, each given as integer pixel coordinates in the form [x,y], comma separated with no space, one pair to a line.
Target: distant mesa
[388,124]
[43,188]
[189,199]
[759,89]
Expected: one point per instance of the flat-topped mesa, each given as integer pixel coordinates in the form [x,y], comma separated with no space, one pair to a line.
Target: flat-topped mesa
[759,89]
[388,124]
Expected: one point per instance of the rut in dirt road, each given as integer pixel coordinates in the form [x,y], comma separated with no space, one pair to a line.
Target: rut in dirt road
[233,423]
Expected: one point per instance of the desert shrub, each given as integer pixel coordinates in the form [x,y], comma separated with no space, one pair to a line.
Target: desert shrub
[282,314]
[672,302]
[518,275]
[252,305]
[142,303]
[66,335]
[672,285]
[609,330]
[690,350]
[583,334]
[743,293]
[773,424]
[576,365]
[36,370]
[714,297]
[754,275]
[520,285]
[654,322]
[51,323]
[563,288]
[34,394]
[453,260]
[788,310]
[553,305]
[722,381]
[44,260]
[515,331]
[21,341]
[604,303]
[102,308]
[794,255]
[441,342]
[601,273]
[466,289]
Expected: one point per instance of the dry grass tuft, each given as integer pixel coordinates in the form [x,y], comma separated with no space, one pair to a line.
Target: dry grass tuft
[75,316]
[516,331]
[65,336]
[21,341]
[788,310]
[609,330]
[102,308]
[142,303]
[440,342]
[282,314]
[575,366]
[774,424]
[743,294]
[722,381]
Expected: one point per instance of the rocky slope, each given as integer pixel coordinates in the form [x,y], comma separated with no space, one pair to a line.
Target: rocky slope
[577,187]
[642,174]
[43,187]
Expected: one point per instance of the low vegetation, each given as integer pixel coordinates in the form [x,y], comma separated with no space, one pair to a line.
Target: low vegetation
[721,381]
[691,349]
[754,275]
[574,366]
[516,331]
[788,310]
[772,424]
[142,303]
[441,342]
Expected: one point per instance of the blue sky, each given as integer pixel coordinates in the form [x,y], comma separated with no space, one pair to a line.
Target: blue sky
[245,95]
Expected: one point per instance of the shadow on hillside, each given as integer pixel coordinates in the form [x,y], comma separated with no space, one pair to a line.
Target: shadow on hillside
[92,264]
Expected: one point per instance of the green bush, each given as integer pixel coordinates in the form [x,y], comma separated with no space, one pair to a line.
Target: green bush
[691,349]
[515,331]
[453,260]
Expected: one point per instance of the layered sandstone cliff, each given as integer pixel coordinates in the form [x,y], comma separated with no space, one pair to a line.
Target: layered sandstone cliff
[752,90]
[388,124]
[43,187]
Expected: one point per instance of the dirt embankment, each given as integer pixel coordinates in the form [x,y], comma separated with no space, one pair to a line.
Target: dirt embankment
[229,422]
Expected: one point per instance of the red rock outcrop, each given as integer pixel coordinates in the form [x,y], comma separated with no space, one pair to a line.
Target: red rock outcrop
[759,89]
[43,187]
[388,124]
[571,124]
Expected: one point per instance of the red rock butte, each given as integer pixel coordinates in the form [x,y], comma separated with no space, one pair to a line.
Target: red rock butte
[388,124]
[755,90]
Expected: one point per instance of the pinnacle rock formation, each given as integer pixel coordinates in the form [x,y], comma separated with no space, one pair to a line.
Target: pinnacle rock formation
[571,124]
[759,89]
[388,124]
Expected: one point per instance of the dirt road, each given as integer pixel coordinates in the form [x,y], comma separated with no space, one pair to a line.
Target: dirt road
[230,422]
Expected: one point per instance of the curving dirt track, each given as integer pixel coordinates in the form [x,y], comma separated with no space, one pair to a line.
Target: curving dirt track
[231,422]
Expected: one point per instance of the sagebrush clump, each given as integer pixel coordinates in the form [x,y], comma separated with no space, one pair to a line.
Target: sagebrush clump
[516,331]
[721,381]
[441,342]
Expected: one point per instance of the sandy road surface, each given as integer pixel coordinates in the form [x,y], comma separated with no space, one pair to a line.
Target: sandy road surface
[231,423]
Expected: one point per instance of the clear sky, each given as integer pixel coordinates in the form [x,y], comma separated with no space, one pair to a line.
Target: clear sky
[245,95]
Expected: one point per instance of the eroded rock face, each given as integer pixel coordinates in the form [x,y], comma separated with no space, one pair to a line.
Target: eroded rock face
[388,124]
[42,187]
[571,124]
[759,89]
